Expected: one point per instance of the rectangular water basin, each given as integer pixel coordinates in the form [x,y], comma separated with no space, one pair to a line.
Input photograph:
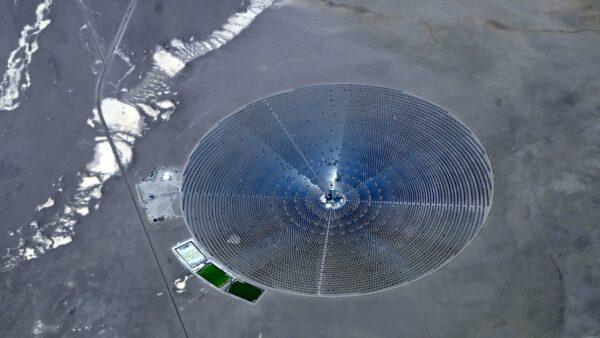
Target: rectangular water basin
[190,254]
[215,276]
[245,291]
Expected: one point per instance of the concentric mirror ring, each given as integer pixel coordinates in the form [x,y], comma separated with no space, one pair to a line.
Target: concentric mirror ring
[338,189]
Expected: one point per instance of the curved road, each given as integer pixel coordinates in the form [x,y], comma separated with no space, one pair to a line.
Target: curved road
[107,61]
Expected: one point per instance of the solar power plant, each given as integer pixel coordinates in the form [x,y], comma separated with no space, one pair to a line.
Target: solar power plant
[300,168]
[337,189]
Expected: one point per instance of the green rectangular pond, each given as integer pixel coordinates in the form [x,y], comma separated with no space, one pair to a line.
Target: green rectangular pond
[215,276]
[245,291]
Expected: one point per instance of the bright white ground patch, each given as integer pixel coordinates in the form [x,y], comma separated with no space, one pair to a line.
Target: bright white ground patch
[16,78]
[89,182]
[122,117]
[104,160]
[29,253]
[148,110]
[181,283]
[177,43]
[168,62]
[40,328]
[58,240]
[188,51]
[166,104]
[47,204]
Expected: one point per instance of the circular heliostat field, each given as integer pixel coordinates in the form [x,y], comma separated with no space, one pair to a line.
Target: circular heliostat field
[336,189]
